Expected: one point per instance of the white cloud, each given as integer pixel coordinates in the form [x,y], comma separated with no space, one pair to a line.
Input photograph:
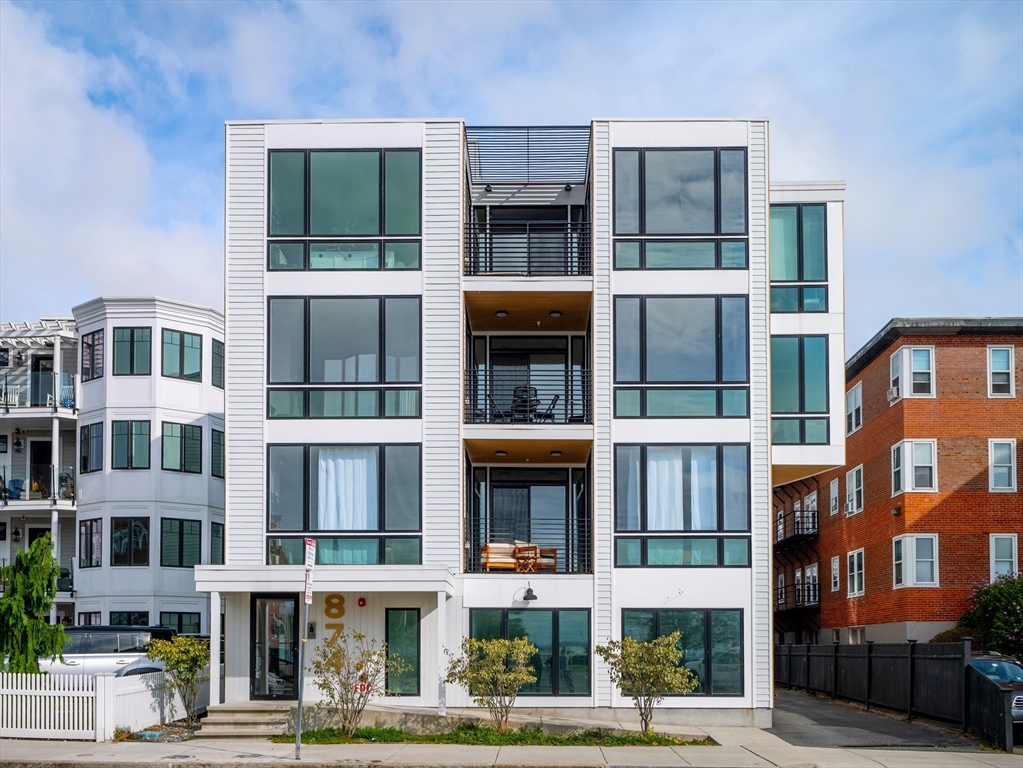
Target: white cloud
[76,189]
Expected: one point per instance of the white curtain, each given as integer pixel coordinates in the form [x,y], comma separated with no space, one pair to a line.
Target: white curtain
[681,488]
[346,489]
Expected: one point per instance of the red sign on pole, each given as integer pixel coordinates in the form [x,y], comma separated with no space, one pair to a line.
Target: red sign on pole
[310,553]
[308,586]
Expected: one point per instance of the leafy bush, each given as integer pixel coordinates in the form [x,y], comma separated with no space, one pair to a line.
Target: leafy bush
[30,586]
[997,611]
[959,633]
[187,661]
[646,671]
[493,671]
[349,669]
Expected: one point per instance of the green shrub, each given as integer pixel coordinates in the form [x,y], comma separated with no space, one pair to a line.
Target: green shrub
[997,611]
[959,633]
[493,671]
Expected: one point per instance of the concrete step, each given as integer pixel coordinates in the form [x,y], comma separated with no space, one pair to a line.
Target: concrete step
[246,719]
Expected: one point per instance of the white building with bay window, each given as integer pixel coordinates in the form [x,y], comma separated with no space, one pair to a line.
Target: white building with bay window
[516,381]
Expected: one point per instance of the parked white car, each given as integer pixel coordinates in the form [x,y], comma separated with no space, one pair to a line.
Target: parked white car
[103,650]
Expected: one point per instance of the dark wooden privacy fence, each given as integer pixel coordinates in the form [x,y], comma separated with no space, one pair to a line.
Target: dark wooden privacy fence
[918,679]
[989,709]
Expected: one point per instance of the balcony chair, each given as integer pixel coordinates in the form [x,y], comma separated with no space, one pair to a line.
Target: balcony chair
[498,556]
[548,415]
[496,413]
[524,403]
[64,583]
[15,488]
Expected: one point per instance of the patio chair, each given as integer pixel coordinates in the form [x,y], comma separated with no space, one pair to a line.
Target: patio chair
[497,413]
[15,488]
[548,415]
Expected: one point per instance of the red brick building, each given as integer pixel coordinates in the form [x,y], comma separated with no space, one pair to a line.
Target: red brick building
[929,503]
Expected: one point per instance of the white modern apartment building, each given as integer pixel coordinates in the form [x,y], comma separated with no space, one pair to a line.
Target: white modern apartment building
[516,381]
[112,421]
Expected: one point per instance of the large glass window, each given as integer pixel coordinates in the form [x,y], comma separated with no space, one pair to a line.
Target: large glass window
[1000,372]
[130,444]
[711,639]
[287,193]
[798,243]
[91,458]
[344,193]
[180,543]
[182,623]
[129,618]
[915,561]
[218,364]
[132,351]
[402,638]
[287,341]
[799,384]
[216,543]
[90,543]
[678,339]
[182,355]
[129,541]
[182,447]
[92,355]
[562,638]
[1002,465]
[217,453]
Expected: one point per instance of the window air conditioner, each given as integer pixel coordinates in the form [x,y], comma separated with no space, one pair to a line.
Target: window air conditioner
[893,394]
[848,506]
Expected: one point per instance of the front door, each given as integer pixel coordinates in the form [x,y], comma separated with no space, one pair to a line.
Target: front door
[275,639]
[40,456]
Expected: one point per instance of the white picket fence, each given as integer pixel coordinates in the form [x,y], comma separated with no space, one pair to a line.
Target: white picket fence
[86,707]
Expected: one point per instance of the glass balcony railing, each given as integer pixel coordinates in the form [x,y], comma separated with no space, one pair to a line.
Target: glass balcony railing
[521,395]
[38,390]
[44,481]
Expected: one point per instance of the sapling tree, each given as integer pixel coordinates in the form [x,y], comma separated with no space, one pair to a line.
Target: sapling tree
[493,672]
[647,671]
[186,661]
[30,586]
[349,669]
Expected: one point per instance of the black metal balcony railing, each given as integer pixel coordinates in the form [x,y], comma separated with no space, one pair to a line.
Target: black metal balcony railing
[37,390]
[44,481]
[533,248]
[525,396]
[795,596]
[795,526]
[524,545]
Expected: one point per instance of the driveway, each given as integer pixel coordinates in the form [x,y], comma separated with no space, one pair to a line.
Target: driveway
[805,721]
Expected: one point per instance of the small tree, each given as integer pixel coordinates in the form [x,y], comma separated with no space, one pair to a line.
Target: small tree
[187,661]
[349,669]
[493,671]
[646,671]
[30,586]
[998,614]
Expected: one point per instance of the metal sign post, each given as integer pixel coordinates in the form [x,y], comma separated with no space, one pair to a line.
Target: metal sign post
[310,562]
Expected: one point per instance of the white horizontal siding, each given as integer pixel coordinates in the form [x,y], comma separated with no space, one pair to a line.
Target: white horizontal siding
[245,342]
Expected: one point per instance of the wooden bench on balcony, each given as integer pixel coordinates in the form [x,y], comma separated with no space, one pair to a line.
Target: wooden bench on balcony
[519,556]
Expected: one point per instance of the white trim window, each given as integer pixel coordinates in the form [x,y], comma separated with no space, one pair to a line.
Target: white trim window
[914,466]
[810,512]
[911,373]
[797,518]
[1002,465]
[915,560]
[836,573]
[854,491]
[1000,379]
[780,525]
[834,496]
[811,585]
[1004,559]
[854,409]
[854,573]
[781,589]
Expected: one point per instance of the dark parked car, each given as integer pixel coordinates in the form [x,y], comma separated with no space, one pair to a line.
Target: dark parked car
[1008,673]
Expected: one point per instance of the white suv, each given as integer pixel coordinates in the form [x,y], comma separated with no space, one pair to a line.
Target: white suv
[96,650]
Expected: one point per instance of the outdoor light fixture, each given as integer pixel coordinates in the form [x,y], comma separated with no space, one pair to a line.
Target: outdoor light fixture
[568,187]
[555,453]
[19,445]
[896,511]
[530,595]
[16,535]
[555,313]
[501,313]
[488,188]
[501,453]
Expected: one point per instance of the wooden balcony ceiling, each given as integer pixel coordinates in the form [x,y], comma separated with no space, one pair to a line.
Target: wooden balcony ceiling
[537,452]
[528,311]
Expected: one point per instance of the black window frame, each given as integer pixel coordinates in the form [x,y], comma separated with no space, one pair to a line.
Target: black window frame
[130,450]
[178,625]
[708,684]
[218,453]
[197,440]
[217,363]
[380,413]
[216,543]
[132,519]
[381,380]
[90,618]
[92,355]
[717,241]
[719,531]
[89,435]
[641,185]
[556,645]
[801,374]
[419,649]
[138,615]
[799,244]
[182,376]
[645,539]
[380,531]
[88,557]
[801,290]
[5,357]
[643,389]
[132,359]
[181,534]
[718,338]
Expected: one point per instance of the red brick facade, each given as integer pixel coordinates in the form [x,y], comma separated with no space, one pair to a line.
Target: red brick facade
[961,418]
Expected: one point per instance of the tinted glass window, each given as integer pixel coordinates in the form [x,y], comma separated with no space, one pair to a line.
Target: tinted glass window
[287,489]
[287,340]
[344,193]
[733,191]
[784,374]
[538,628]
[733,339]
[679,192]
[735,482]
[784,244]
[626,192]
[815,374]
[627,480]
[401,345]
[403,642]
[401,488]
[627,337]
[287,193]
[681,339]
[813,242]
[344,340]
[401,201]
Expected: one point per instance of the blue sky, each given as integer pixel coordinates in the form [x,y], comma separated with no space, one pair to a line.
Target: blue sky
[111,122]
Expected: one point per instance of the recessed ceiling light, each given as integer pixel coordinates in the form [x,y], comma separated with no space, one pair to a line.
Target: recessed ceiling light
[501,313]
[501,453]
[555,453]
[555,313]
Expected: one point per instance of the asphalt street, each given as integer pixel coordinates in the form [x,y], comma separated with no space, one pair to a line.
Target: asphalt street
[805,721]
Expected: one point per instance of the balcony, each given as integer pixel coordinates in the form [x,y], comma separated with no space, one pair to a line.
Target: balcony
[794,597]
[795,527]
[528,395]
[37,390]
[528,248]
[43,483]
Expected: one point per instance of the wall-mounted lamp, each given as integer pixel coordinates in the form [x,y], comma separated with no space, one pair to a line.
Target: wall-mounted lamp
[16,535]
[896,511]
[530,595]
[488,188]
[568,187]
[19,445]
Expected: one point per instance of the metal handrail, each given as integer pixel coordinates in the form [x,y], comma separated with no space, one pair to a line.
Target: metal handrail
[561,546]
[792,596]
[796,524]
[532,248]
[525,396]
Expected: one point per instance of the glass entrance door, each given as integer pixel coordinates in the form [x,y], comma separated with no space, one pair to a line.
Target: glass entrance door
[275,640]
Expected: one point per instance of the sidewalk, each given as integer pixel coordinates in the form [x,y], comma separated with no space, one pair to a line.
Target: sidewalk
[740,748]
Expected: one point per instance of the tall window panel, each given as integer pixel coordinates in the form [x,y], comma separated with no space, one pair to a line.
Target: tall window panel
[218,364]
[90,543]
[182,447]
[91,457]
[799,385]
[92,355]
[132,351]
[798,258]
[130,444]
[129,541]
[217,453]
[216,543]
[180,543]
[401,627]
[182,355]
